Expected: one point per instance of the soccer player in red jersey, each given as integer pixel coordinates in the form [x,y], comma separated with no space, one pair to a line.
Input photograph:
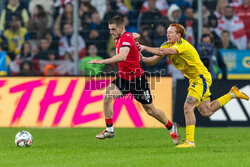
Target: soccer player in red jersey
[130,79]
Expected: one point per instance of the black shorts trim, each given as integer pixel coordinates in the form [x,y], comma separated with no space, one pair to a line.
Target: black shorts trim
[138,87]
[124,46]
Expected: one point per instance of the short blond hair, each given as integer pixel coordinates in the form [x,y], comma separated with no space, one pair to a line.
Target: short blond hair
[179,29]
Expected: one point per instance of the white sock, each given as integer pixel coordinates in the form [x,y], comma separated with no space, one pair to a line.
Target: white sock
[110,129]
[172,129]
[232,94]
[190,142]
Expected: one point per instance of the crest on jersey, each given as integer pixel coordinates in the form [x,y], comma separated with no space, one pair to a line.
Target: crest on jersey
[179,42]
[165,43]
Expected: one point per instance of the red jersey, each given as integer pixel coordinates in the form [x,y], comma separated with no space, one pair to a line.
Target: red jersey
[243,14]
[130,68]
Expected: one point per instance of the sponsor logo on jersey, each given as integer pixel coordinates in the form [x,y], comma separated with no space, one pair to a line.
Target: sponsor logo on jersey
[126,43]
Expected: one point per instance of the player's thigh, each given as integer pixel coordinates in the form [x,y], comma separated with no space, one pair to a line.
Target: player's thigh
[190,102]
[141,90]
[112,92]
[195,90]
[200,89]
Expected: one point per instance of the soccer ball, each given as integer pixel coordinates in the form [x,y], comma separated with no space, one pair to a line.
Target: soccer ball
[23,139]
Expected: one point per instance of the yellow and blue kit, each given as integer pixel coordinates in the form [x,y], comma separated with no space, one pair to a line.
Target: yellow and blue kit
[189,63]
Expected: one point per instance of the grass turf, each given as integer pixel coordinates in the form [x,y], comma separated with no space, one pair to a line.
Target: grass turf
[130,147]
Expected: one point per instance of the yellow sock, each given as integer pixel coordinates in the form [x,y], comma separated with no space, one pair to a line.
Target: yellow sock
[190,133]
[224,99]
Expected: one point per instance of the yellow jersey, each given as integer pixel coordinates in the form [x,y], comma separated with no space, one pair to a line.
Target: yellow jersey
[187,60]
[15,40]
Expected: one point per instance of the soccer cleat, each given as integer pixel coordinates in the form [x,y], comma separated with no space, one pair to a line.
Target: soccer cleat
[238,94]
[175,135]
[186,145]
[105,134]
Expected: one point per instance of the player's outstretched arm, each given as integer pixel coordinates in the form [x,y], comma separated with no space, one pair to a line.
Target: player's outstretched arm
[122,56]
[150,60]
[157,50]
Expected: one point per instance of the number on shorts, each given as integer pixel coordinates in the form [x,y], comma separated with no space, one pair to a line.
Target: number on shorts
[194,83]
[147,95]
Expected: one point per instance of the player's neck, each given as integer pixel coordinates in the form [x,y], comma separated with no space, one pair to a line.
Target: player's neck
[122,33]
[93,55]
[175,41]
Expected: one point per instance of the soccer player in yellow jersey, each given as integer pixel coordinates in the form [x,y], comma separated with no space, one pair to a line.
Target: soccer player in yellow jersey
[185,58]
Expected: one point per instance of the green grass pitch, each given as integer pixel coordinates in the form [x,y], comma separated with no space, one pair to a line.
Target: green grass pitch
[73,147]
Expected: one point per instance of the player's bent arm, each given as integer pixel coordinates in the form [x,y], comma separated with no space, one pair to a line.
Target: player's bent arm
[122,56]
[151,60]
[160,51]
[169,51]
[136,36]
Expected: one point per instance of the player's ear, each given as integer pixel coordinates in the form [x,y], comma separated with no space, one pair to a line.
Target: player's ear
[179,35]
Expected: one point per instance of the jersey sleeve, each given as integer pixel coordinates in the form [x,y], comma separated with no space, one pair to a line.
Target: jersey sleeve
[179,46]
[164,45]
[127,40]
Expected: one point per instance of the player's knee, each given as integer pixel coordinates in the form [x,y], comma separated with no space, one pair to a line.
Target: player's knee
[187,112]
[207,112]
[187,108]
[150,111]
[206,115]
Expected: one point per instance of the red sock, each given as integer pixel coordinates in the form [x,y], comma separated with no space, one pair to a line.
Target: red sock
[168,125]
[109,122]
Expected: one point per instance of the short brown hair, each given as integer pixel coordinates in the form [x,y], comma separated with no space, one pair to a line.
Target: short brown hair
[225,31]
[179,29]
[118,20]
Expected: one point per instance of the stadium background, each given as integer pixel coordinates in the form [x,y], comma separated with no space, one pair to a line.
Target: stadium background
[38,40]
[46,82]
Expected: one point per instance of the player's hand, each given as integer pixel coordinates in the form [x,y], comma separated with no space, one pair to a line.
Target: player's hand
[140,47]
[136,36]
[96,61]
[141,57]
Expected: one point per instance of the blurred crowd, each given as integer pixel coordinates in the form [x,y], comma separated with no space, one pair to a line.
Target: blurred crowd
[38,34]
